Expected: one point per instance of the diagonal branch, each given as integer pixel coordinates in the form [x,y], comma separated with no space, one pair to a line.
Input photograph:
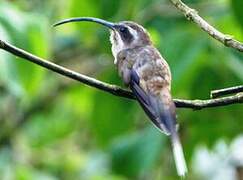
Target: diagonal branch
[192,15]
[113,89]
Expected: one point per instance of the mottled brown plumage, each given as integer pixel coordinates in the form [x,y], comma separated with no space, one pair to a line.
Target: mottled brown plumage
[153,71]
[145,71]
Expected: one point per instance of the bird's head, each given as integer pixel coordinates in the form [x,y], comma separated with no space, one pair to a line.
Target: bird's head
[128,34]
[124,34]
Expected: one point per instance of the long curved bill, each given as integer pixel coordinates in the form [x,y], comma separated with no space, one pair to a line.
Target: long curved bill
[90,19]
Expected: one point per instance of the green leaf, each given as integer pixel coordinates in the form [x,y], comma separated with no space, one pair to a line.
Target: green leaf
[8,68]
[136,154]
[29,33]
[237,10]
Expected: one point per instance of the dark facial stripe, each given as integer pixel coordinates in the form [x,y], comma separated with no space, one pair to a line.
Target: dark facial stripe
[144,37]
[125,34]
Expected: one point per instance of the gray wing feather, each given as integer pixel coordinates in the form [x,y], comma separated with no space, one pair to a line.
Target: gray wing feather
[148,103]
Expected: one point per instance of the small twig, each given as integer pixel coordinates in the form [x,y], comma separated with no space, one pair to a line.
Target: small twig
[226,91]
[201,104]
[113,89]
[192,15]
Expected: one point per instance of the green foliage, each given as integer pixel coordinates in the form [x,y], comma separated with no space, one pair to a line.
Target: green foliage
[237,9]
[138,151]
[54,128]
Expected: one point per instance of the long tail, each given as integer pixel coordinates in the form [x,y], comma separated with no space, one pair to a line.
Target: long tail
[162,117]
[178,155]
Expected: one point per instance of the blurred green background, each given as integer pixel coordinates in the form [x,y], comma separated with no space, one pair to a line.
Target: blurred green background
[55,128]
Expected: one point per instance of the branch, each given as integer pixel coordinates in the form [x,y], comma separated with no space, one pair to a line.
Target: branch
[201,104]
[226,91]
[192,15]
[113,89]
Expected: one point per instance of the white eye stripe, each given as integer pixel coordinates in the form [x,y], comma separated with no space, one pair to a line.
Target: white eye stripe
[133,32]
[118,43]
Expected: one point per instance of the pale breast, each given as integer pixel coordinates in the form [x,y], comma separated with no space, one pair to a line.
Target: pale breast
[125,61]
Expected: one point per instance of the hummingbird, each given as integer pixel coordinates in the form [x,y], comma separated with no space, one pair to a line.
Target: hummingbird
[143,69]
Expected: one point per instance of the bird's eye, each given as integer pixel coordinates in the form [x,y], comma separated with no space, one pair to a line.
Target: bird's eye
[123,30]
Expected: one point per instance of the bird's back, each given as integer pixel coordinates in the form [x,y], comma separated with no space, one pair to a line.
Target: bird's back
[154,81]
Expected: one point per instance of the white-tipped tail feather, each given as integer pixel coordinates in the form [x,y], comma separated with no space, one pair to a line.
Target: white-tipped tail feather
[178,156]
